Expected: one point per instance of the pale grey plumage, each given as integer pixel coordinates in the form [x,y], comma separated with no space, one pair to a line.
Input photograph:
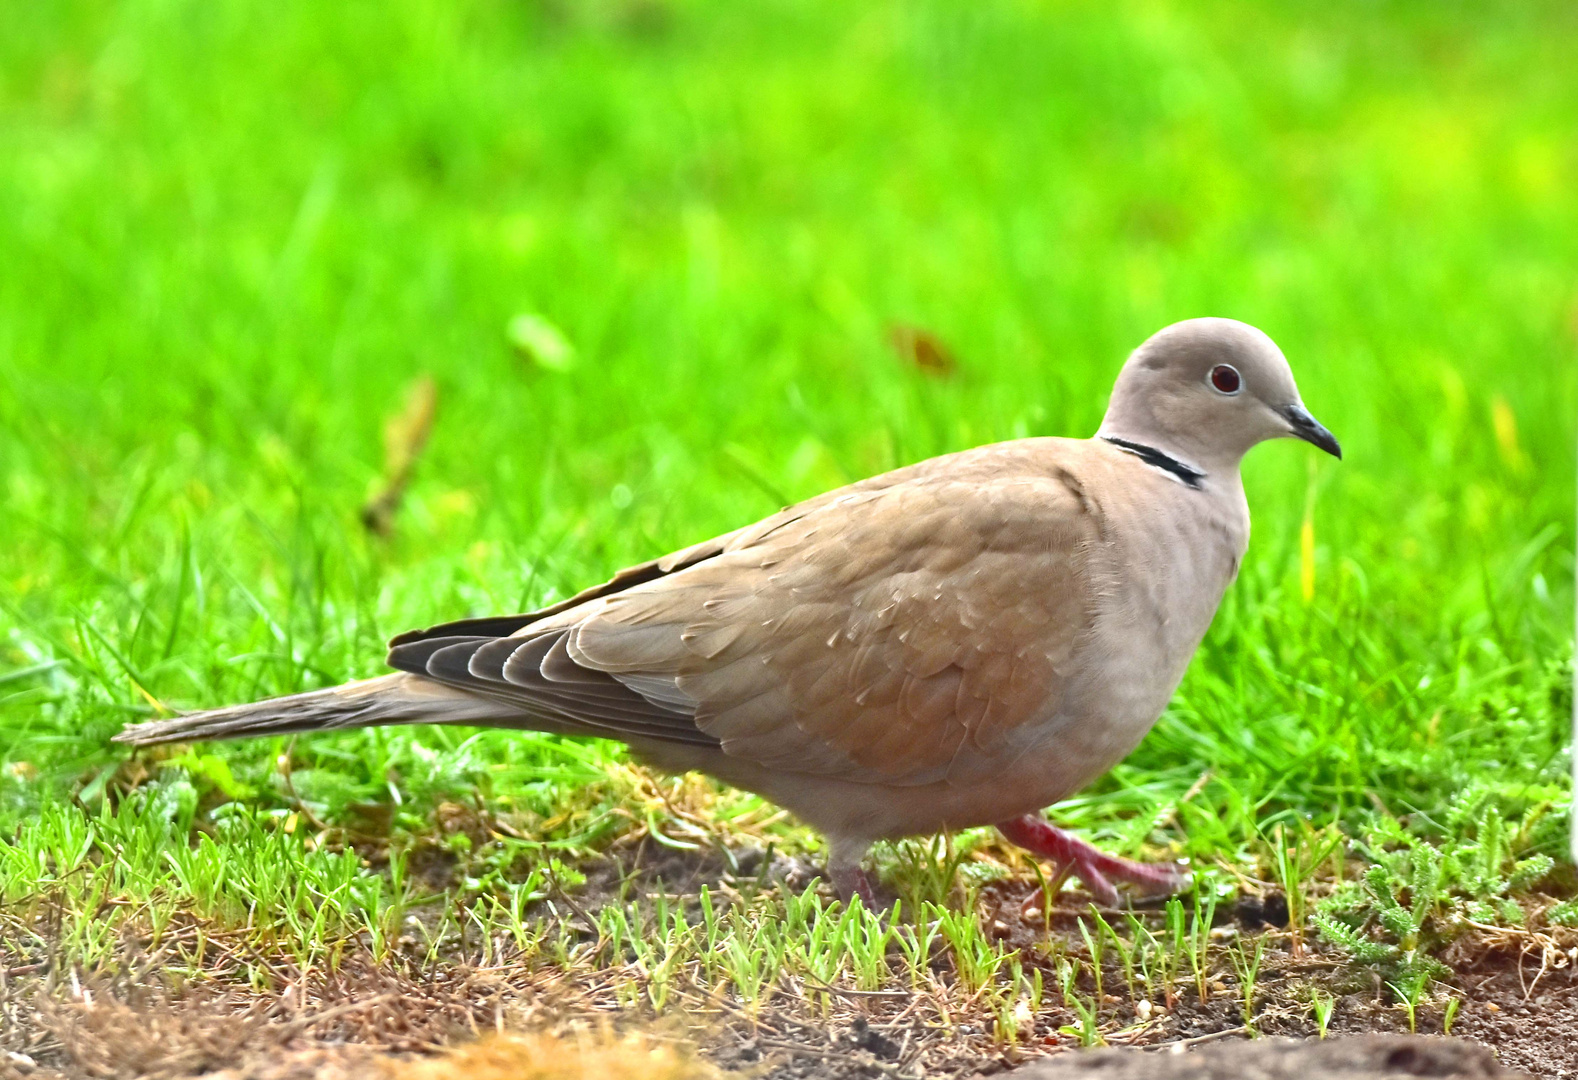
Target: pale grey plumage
[956,643]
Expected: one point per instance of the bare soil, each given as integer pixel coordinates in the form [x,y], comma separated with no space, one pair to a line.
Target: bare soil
[365,1019]
[372,1018]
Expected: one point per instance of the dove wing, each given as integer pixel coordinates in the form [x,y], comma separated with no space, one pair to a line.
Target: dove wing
[903,630]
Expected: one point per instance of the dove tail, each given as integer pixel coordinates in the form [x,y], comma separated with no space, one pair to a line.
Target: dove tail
[389,699]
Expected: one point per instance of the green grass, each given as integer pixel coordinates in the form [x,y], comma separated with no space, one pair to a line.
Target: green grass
[235,233]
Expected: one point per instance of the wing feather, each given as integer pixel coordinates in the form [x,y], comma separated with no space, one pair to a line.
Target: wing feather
[904,630]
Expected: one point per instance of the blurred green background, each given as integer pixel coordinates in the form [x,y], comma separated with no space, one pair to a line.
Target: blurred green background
[232,234]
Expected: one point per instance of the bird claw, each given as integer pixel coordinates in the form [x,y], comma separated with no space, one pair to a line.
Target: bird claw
[1096,883]
[850,882]
[1094,867]
[1147,879]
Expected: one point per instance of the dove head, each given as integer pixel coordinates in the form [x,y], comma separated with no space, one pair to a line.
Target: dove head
[1205,391]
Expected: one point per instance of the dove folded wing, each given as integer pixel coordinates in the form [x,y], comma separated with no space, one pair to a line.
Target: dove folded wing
[901,633]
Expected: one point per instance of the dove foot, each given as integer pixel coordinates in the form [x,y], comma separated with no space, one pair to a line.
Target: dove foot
[851,881]
[1090,864]
[845,858]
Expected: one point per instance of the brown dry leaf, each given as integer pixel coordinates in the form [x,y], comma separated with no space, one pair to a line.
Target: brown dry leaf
[923,349]
[549,1057]
[405,436]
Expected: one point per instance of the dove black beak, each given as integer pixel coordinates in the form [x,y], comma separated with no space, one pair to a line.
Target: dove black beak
[1311,430]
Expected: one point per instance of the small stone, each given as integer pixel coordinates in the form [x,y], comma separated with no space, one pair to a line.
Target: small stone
[1368,1057]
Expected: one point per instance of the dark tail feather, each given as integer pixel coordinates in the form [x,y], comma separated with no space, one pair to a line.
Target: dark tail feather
[389,699]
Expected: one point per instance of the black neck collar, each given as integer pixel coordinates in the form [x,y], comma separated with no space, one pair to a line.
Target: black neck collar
[1188,474]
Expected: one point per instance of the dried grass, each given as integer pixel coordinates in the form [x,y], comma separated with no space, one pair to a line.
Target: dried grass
[543,1056]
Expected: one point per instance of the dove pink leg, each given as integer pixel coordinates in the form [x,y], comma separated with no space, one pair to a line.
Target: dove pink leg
[844,870]
[1090,864]
[851,881]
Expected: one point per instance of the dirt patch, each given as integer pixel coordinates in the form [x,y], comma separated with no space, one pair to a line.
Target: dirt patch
[1531,1026]
[257,1017]
[647,867]
[373,1023]
[145,1024]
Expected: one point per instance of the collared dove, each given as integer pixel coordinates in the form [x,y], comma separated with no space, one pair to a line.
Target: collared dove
[956,643]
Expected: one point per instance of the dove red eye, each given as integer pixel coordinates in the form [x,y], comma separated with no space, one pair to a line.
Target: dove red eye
[1225,379]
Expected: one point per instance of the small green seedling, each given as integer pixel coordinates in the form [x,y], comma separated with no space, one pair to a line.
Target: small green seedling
[1198,942]
[1409,994]
[1322,1005]
[1247,967]
[1088,1030]
[1097,945]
